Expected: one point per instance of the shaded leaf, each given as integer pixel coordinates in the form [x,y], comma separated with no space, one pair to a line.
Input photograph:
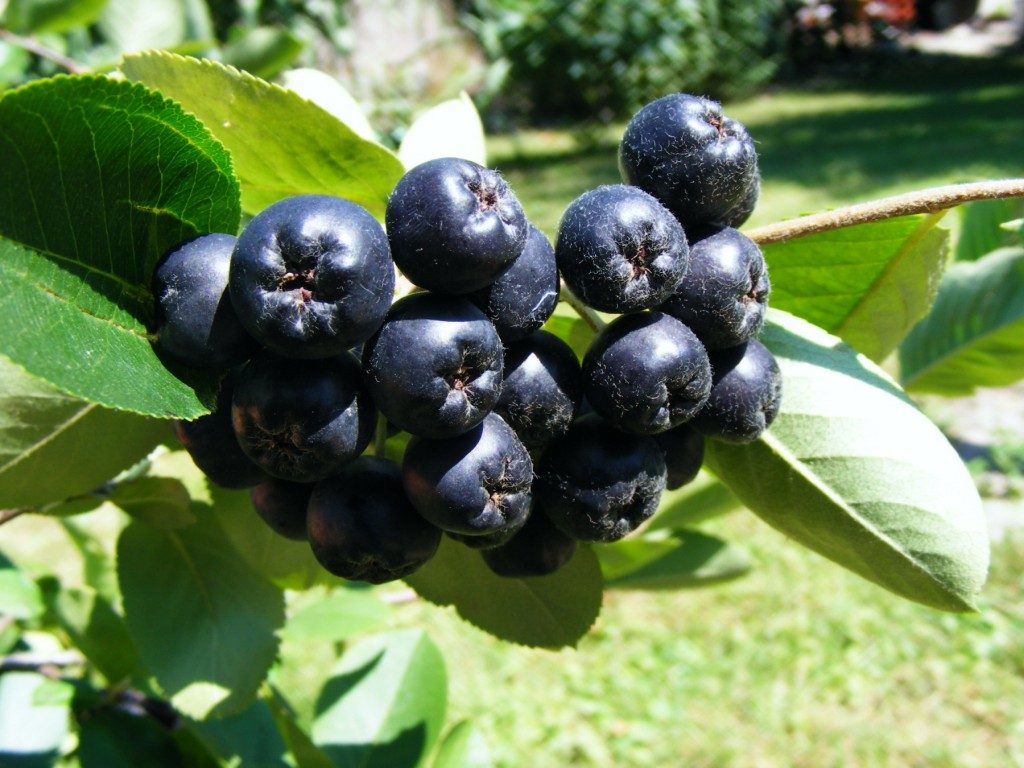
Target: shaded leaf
[981,227]
[450,129]
[974,335]
[262,51]
[680,559]
[249,737]
[281,144]
[701,499]
[867,284]
[852,470]
[203,621]
[98,178]
[384,703]
[98,631]
[112,739]
[303,751]
[548,611]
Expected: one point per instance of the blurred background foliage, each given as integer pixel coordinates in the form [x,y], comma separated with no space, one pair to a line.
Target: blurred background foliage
[523,61]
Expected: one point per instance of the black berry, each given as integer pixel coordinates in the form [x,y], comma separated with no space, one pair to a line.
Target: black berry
[724,296]
[282,505]
[537,550]
[311,276]
[684,453]
[210,441]
[524,296]
[363,528]
[620,250]
[646,372]
[542,388]
[746,394]
[302,420]
[695,160]
[599,484]
[434,368]
[196,324]
[475,484]
[454,226]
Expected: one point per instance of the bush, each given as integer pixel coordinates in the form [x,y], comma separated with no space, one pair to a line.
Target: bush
[605,58]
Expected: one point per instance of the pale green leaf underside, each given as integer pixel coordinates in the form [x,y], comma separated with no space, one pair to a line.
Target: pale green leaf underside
[974,335]
[867,284]
[852,470]
[281,144]
[42,428]
[98,179]
[203,621]
[384,704]
[549,611]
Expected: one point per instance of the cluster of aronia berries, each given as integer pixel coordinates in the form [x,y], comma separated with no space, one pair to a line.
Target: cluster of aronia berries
[500,458]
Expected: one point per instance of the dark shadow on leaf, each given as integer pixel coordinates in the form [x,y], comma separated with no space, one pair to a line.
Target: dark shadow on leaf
[403,751]
[339,686]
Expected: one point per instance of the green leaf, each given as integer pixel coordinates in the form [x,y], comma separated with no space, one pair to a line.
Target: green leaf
[703,498]
[247,738]
[203,621]
[549,611]
[852,470]
[101,178]
[39,16]
[867,284]
[463,747]
[286,563]
[20,597]
[384,703]
[30,735]
[981,227]
[680,559]
[98,631]
[974,335]
[159,501]
[341,614]
[331,96]
[450,129]
[136,25]
[262,51]
[303,751]
[281,144]
[112,739]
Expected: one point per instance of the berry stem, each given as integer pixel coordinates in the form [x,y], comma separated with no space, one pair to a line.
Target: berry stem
[590,317]
[923,201]
[380,439]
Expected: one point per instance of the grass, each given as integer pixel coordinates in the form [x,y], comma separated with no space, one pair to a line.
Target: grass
[800,663]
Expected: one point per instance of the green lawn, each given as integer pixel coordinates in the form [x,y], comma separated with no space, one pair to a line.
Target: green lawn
[800,663]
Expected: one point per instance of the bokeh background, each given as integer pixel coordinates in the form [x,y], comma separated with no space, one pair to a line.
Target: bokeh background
[799,663]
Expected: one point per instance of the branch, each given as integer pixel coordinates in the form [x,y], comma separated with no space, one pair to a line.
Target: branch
[6,515]
[43,664]
[34,46]
[380,438]
[590,317]
[923,201]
